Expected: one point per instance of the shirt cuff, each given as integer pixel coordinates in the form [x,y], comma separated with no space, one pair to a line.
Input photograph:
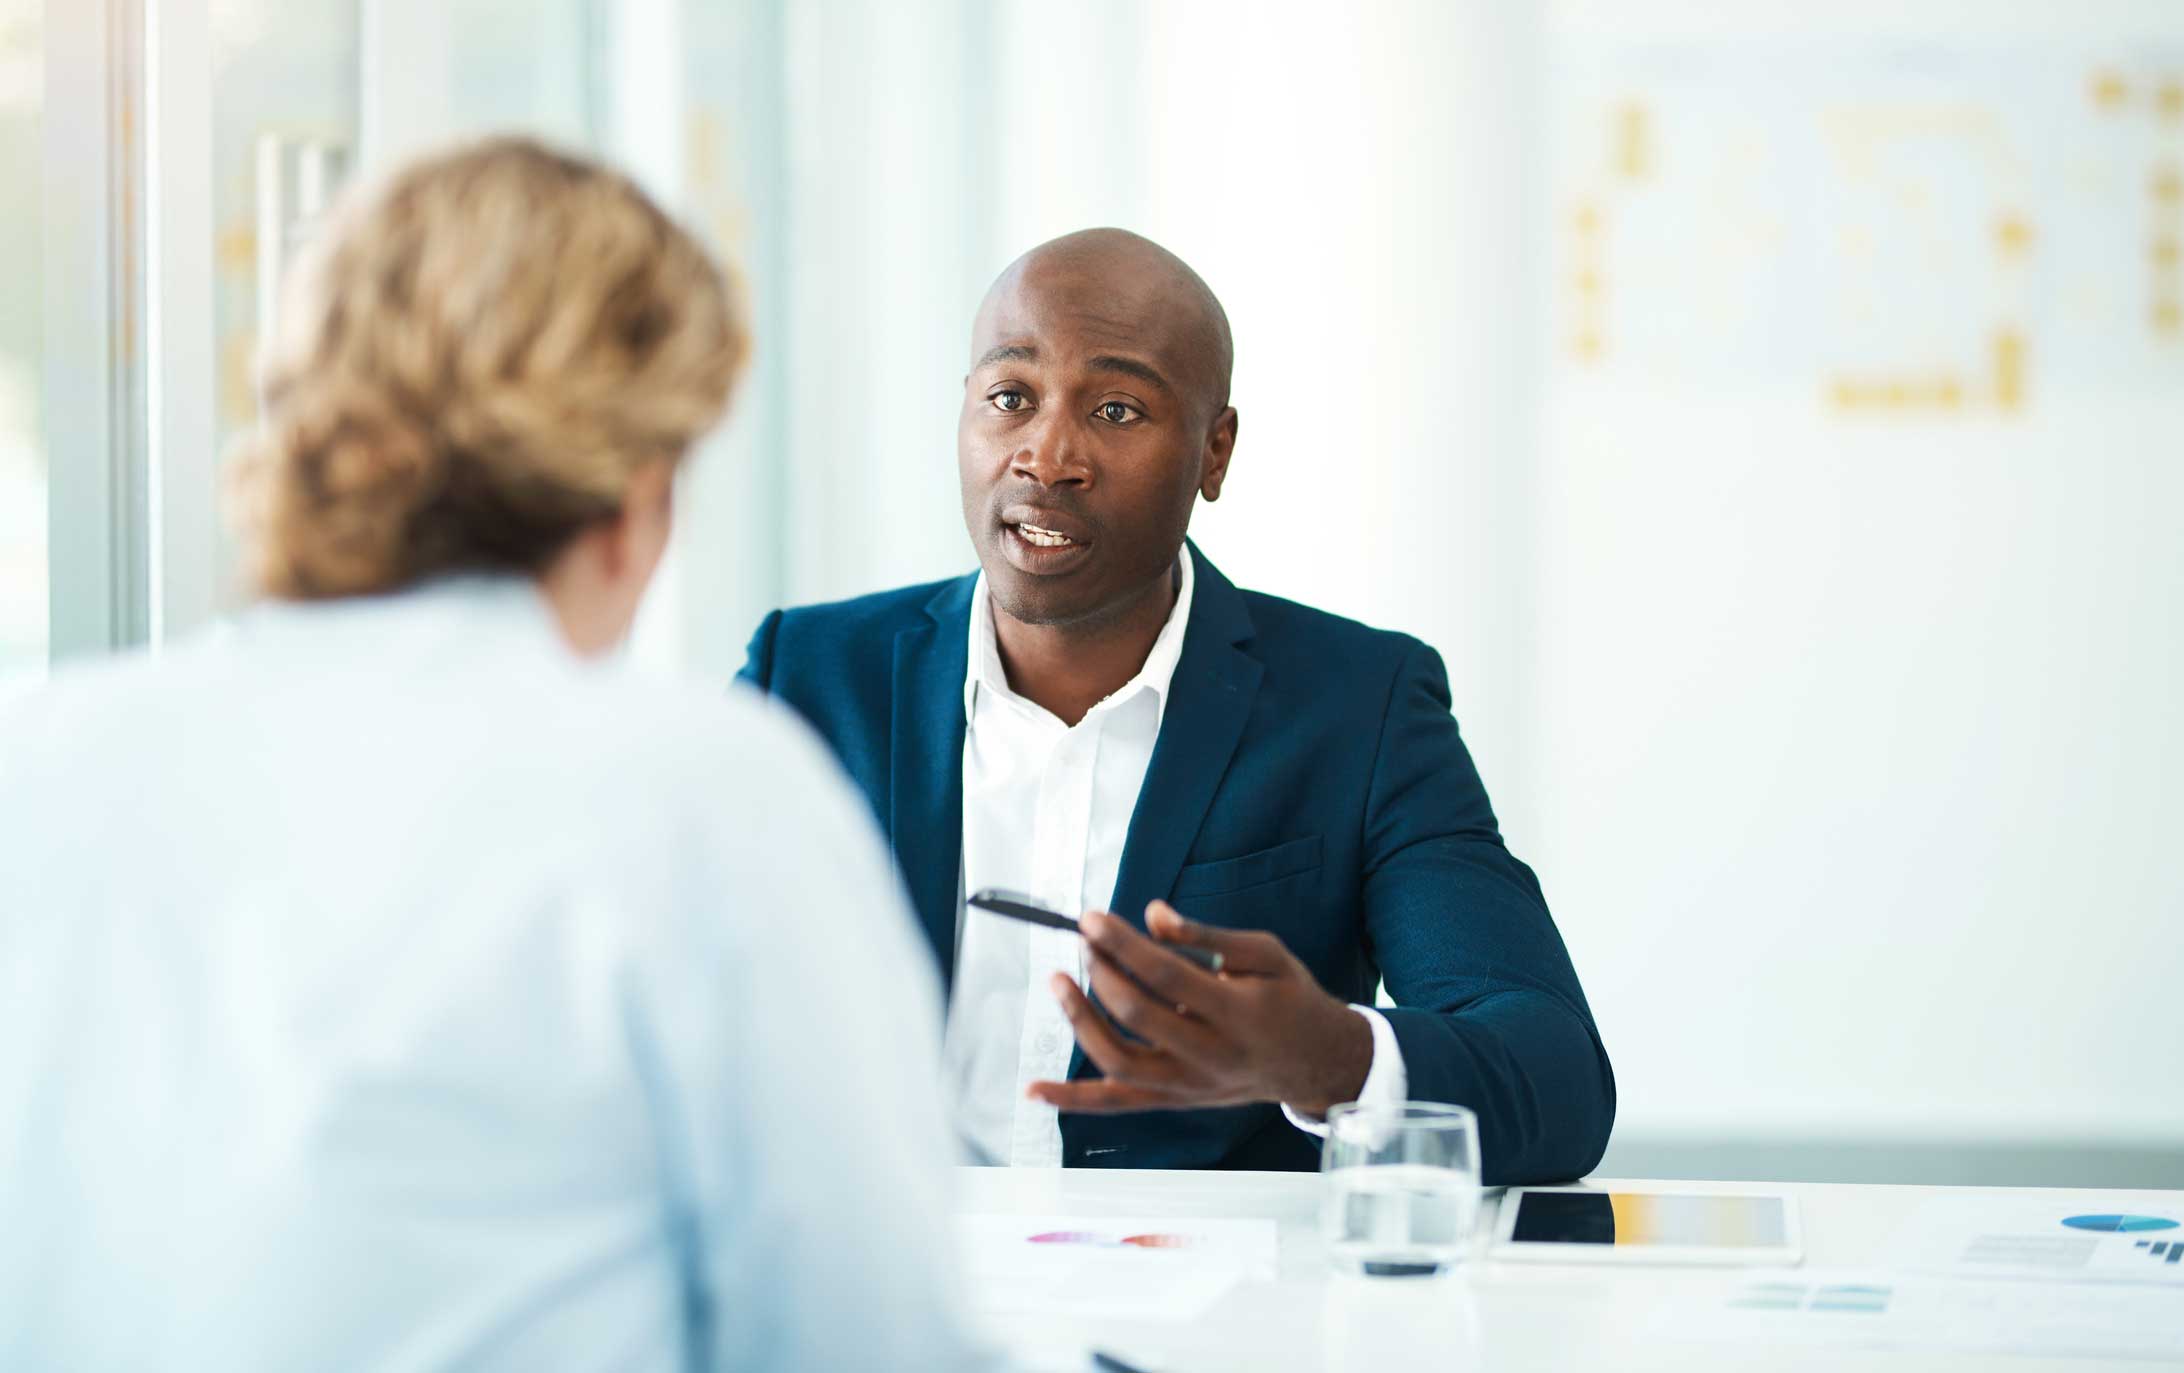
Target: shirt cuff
[1386,1082]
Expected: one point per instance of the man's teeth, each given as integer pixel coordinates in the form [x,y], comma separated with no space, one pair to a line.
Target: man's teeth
[1042,538]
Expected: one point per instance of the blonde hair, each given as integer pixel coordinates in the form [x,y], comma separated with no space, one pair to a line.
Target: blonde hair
[469,366]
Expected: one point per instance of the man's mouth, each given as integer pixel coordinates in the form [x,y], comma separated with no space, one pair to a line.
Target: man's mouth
[1042,550]
[1043,538]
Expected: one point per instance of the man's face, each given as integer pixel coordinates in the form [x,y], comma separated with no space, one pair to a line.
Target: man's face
[1088,430]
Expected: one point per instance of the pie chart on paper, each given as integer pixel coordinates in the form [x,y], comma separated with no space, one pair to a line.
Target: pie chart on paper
[2113,1224]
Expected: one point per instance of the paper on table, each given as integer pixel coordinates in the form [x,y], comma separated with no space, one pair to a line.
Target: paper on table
[1042,1355]
[1111,1267]
[1986,1236]
[1885,1310]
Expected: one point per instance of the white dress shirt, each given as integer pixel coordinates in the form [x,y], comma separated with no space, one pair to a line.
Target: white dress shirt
[1046,809]
[381,987]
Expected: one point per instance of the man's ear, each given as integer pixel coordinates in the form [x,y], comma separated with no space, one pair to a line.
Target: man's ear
[1220,443]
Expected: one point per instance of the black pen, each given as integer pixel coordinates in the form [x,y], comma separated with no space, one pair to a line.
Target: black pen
[1017,908]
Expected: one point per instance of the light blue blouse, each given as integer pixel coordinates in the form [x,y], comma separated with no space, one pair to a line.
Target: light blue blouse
[382,987]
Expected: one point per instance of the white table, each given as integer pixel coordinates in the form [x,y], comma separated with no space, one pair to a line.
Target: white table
[1566,1318]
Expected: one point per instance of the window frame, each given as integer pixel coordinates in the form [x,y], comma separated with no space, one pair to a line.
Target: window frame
[126,372]
[91,382]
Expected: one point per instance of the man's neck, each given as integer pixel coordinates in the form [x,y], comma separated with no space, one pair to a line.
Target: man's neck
[1068,669]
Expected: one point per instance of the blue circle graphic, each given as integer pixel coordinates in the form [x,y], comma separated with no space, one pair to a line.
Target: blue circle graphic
[2115,1223]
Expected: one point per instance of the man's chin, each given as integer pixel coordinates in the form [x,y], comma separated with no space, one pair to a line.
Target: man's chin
[1036,604]
[1047,601]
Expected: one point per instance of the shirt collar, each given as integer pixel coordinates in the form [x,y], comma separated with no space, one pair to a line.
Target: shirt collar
[984,667]
[505,609]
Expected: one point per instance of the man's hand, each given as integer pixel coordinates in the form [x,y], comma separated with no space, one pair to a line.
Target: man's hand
[1260,1030]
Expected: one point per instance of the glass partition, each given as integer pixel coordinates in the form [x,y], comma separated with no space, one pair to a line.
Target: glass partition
[23,578]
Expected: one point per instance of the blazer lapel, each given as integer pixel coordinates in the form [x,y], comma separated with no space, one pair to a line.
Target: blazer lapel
[925,774]
[1209,701]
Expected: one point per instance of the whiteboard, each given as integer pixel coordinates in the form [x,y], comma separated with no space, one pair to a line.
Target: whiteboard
[1856,758]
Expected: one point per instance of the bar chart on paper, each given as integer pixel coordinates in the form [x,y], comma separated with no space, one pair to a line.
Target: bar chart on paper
[1976,1236]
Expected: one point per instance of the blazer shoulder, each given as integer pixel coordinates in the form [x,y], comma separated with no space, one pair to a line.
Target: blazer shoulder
[1285,629]
[860,618]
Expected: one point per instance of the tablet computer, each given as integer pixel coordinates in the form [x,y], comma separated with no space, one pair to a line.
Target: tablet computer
[1589,1225]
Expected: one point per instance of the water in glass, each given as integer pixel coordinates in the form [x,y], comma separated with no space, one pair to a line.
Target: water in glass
[1402,1188]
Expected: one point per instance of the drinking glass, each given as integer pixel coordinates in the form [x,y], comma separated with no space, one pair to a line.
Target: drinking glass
[1402,1187]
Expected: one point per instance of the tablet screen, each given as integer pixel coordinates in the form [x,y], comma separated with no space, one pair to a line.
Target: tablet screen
[1627,1219]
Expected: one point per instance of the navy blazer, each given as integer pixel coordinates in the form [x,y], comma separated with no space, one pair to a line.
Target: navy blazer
[1308,779]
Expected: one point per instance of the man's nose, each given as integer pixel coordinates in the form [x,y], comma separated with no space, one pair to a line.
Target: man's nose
[1051,456]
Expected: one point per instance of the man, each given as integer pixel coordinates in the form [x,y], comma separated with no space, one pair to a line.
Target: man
[1100,720]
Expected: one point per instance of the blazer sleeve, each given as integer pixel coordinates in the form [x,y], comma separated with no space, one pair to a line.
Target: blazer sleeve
[1489,1013]
[758,655]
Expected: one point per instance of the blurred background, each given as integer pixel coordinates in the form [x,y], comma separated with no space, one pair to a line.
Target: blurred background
[1774,414]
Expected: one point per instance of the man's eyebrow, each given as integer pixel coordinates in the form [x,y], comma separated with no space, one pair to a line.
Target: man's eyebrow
[1007,352]
[1130,367]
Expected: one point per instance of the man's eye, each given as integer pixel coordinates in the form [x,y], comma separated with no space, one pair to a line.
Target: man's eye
[1115,412]
[1009,401]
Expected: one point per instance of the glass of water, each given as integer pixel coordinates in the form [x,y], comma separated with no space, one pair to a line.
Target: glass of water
[1402,1187]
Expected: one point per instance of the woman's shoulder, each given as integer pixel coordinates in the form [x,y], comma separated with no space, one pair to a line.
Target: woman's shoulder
[700,744]
[742,801]
[698,723]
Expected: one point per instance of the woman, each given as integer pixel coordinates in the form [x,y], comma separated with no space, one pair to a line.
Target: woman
[385,985]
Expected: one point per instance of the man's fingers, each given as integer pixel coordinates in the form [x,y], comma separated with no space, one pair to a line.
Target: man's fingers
[1242,951]
[1150,1019]
[1103,1096]
[1096,1036]
[1173,978]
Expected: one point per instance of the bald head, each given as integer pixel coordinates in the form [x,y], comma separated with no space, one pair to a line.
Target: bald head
[1129,286]
[1095,417]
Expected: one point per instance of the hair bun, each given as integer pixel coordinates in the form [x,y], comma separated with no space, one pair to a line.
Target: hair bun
[469,366]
